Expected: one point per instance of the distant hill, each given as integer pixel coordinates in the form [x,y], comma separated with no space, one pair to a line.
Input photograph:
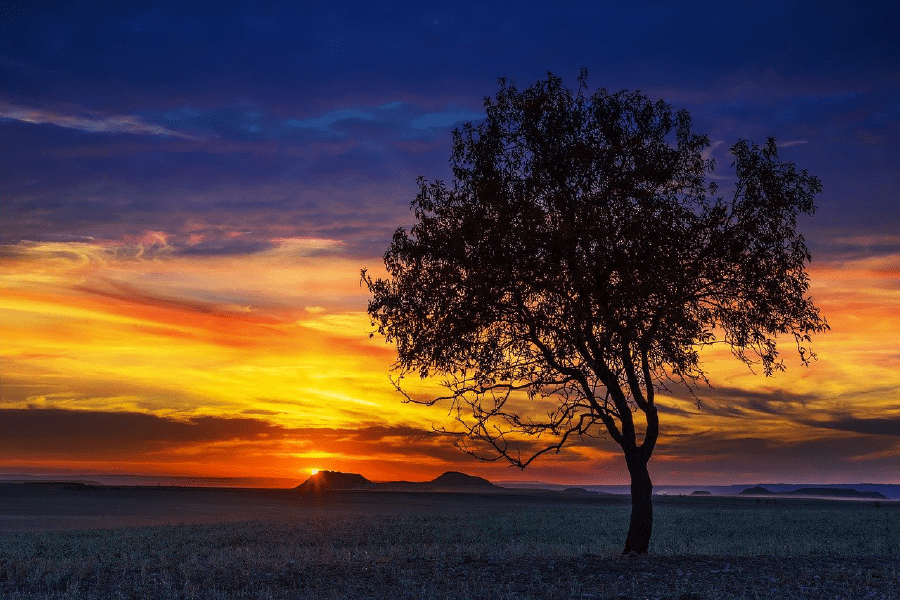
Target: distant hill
[835,493]
[455,479]
[816,492]
[334,480]
[701,493]
[449,481]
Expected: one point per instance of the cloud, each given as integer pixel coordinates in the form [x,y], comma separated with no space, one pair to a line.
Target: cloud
[159,245]
[58,432]
[749,458]
[225,247]
[108,124]
[324,121]
[49,433]
[868,426]
[122,292]
[862,248]
[400,119]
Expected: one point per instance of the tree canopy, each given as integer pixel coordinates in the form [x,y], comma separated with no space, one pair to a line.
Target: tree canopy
[580,260]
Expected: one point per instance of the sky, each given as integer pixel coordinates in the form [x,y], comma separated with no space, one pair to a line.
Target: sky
[189,192]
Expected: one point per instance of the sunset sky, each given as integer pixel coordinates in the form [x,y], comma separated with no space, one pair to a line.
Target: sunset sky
[189,191]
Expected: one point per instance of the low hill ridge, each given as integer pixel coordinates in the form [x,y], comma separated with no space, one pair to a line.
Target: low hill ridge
[816,492]
[834,493]
[448,481]
[758,490]
[455,479]
[334,480]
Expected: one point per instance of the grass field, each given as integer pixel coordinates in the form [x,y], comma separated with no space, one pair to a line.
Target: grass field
[404,546]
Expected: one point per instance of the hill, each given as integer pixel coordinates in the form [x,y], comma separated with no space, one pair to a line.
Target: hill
[815,492]
[334,480]
[825,492]
[457,480]
[451,481]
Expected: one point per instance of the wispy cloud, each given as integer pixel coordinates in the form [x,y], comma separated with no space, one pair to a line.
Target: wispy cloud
[400,115]
[874,426]
[325,120]
[107,124]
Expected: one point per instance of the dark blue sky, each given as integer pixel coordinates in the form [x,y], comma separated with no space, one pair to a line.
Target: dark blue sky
[283,119]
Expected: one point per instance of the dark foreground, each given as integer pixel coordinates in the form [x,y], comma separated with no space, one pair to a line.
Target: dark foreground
[180,543]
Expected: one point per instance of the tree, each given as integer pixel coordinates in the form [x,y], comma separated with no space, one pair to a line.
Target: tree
[578,264]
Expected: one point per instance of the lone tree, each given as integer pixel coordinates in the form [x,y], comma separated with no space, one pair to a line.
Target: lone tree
[578,264]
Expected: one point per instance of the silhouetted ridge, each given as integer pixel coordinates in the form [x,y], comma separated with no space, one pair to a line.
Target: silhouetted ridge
[334,480]
[455,479]
[816,492]
[449,481]
[835,493]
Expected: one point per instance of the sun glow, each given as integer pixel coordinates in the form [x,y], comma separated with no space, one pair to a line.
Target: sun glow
[87,330]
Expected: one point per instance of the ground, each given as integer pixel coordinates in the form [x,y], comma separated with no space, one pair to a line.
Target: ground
[180,543]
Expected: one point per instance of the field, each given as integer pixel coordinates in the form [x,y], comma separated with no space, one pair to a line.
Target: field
[70,542]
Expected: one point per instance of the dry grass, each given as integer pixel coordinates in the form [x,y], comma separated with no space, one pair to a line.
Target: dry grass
[536,552]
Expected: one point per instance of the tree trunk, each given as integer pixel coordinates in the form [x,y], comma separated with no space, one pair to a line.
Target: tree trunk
[641,525]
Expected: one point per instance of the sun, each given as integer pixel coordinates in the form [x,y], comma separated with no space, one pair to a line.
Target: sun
[313,471]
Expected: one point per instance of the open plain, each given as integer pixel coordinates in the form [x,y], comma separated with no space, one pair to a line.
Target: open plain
[77,541]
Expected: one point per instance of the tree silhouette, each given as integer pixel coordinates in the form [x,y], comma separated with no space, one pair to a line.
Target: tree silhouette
[577,265]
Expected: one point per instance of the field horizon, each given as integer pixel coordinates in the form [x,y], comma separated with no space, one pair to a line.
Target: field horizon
[63,540]
[63,505]
[890,490]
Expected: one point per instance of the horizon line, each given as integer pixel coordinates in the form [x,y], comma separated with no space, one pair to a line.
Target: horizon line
[6,477]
